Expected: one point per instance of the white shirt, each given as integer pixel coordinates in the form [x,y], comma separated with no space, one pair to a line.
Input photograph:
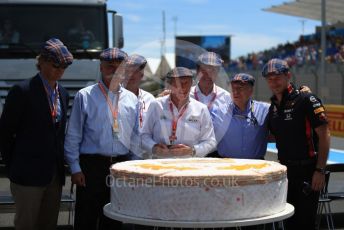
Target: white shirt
[218,108]
[194,128]
[145,98]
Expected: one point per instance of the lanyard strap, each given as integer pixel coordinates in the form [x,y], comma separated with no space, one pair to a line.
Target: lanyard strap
[114,110]
[212,99]
[53,105]
[173,136]
[142,108]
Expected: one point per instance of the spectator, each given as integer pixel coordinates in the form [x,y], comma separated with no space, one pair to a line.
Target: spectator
[8,34]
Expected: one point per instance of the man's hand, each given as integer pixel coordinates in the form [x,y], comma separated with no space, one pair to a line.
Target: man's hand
[180,150]
[305,89]
[160,150]
[318,181]
[78,179]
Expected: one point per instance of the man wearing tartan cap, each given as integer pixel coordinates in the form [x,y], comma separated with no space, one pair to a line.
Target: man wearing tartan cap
[102,131]
[300,126]
[207,92]
[32,132]
[178,125]
[134,72]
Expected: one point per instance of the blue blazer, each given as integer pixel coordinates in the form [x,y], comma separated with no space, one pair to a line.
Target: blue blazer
[30,143]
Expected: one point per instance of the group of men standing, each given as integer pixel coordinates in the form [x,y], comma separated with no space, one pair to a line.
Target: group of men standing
[114,121]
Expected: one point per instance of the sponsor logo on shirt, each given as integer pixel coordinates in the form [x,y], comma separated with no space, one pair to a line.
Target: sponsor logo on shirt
[316,105]
[319,110]
[288,117]
[312,99]
[192,119]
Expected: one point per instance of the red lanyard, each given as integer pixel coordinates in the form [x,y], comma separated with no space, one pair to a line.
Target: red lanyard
[114,110]
[173,136]
[212,99]
[142,108]
[53,106]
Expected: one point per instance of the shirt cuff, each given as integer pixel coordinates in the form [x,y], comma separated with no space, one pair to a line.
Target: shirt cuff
[198,151]
[75,168]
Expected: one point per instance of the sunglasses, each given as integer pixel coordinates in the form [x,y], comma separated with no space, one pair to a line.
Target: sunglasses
[59,66]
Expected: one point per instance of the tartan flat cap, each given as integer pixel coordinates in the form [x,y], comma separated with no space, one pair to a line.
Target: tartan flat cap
[243,77]
[136,60]
[210,58]
[113,54]
[57,51]
[275,66]
[179,72]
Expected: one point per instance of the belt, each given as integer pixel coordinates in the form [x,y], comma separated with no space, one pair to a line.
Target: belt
[111,159]
[298,162]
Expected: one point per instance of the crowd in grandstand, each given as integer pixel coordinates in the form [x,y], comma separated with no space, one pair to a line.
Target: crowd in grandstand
[307,50]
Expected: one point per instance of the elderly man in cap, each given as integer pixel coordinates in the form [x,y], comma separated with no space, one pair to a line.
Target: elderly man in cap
[299,123]
[134,72]
[176,124]
[101,125]
[206,91]
[32,132]
[245,133]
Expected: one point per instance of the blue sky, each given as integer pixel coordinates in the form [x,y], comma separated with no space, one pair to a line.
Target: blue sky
[252,28]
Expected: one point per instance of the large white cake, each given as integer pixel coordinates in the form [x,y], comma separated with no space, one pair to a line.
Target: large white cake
[198,189]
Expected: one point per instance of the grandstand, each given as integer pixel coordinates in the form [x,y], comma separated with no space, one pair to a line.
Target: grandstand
[305,55]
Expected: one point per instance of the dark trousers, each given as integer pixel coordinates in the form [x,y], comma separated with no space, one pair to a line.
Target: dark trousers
[214,154]
[304,201]
[91,199]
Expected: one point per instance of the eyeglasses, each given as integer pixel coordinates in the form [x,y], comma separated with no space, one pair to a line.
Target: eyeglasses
[59,66]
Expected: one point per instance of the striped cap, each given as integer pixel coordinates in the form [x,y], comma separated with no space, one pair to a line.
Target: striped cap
[275,66]
[136,60]
[179,72]
[54,49]
[243,77]
[210,58]
[113,54]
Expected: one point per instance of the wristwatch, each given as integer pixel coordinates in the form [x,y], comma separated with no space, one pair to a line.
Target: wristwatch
[193,151]
[321,170]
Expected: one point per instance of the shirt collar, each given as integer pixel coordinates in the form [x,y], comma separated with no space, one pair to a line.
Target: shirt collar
[46,84]
[120,88]
[236,109]
[170,101]
[198,90]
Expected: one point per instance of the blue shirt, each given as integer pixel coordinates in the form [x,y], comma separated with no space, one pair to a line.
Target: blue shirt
[90,125]
[247,133]
[51,95]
